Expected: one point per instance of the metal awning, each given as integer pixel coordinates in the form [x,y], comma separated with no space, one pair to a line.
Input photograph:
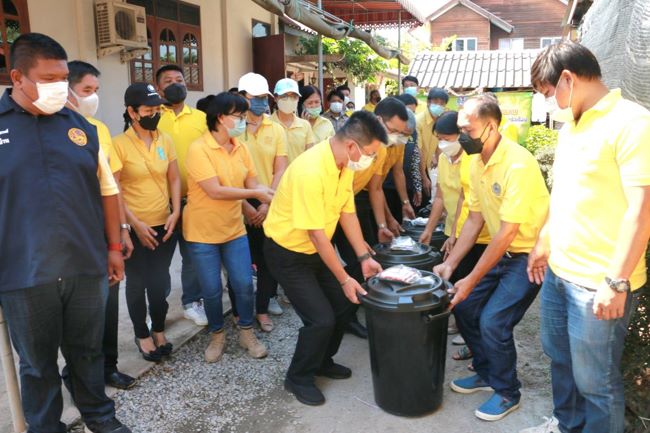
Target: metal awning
[474,69]
[370,14]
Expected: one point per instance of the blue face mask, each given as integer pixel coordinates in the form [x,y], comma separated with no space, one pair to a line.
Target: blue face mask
[259,106]
[436,110]
[240,127]
[413,91]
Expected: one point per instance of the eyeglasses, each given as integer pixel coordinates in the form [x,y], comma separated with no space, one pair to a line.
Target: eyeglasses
[238,116]
[371,155]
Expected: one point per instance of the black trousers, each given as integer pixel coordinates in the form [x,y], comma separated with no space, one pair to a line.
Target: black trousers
[319,301]
[109,344]
[267,285]
[467,264]
[148,280]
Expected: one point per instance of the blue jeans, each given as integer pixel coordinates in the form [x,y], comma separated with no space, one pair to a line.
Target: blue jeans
[66,314]
[585,358]
[189,277]
[236,258]
[486,320]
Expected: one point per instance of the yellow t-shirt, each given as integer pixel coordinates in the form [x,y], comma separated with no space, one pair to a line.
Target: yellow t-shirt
[427,140]
[264,146]
[143,174]
[107,184]
[322,129]
[484,237]
[299,135]
[510,188]
[449,183]
[369,107]
[362,178]
[607,151]
[394,155]
[312,195]
[207,220]
[183,129]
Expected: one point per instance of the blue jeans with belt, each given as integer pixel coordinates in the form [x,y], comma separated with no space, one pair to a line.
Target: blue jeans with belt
[585,357]
[66,314]
[487,318]
[236,258]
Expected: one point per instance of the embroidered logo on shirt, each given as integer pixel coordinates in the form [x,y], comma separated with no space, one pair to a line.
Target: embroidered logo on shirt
[4,140]
[496,188]
[77,136]
[161,153]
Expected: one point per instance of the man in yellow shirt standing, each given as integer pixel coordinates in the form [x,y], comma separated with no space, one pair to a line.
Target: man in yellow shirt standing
[590,254]
[184,125]
[83,79]
[314,195]
[508,194]
[427,140]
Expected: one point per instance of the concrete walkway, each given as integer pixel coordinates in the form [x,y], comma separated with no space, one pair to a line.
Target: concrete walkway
[179,330]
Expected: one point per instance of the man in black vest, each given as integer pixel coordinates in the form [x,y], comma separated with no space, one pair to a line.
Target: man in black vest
[58,206]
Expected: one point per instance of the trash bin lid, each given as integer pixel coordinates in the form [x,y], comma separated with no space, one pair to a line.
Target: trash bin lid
[427,294]
[385,253]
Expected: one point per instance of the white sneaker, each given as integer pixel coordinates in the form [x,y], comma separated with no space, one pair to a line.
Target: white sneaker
[550,426]
[275,308]
[196,313]
[458,341]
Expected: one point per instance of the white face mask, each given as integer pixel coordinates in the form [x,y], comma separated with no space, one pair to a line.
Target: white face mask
[558,114]
[449,148]
[86,105]
[362,164]
[52,97]
[336,107]
[346,101]
[395,139]
[288,105]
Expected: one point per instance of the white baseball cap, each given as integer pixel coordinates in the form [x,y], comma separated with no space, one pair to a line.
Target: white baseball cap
[286,85]
[254,84]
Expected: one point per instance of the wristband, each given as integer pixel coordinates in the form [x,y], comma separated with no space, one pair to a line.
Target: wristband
[347,280]
[363,257]
[115,247]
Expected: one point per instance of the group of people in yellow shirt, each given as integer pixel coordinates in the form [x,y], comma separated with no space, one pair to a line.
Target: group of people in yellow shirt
[278,190]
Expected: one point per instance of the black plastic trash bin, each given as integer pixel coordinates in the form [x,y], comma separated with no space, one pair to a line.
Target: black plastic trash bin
[423,257]
[415,231]
[407,334]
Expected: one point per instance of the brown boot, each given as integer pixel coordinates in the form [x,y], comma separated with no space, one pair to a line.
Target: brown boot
[215,348]
[249,341]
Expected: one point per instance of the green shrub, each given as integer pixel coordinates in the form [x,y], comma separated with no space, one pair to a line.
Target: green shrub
[545,156]
[540,136]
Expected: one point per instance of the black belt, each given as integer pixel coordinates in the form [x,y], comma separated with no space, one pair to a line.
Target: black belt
[510,255]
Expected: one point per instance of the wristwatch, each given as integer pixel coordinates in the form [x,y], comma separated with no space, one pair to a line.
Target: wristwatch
[406,202]
[618,285]
[364,257]
[126,226]
[382,226]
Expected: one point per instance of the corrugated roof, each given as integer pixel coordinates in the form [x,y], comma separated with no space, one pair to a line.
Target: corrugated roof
[474,69]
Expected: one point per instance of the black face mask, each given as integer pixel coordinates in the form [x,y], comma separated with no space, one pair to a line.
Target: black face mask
[175,93]
[150,123]
[471,145]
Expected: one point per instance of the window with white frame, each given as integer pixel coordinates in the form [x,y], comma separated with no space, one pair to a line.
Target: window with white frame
[464,44]
[545,42]
[516,44]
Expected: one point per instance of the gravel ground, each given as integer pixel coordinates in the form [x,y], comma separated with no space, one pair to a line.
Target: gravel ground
[185,394]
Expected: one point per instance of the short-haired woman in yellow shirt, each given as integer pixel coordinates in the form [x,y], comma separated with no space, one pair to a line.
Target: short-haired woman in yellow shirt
[312,108]
[221,174]
[144,164]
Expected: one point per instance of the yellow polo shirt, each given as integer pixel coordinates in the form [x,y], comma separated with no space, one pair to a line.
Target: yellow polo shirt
[595,160]
[510,188]
[484,237]
[394,155]
[107,184]
[369,107]
[427,140]
[322,129]
[205,219]
[312,195]
[143,174]
[264,146]
[183,129]
[299,135]
[362,178]
[449,182]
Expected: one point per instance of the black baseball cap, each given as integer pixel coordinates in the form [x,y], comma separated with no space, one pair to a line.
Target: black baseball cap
[447,123]
[142,94]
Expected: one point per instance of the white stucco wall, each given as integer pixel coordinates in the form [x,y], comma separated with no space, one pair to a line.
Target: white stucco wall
[71,23]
